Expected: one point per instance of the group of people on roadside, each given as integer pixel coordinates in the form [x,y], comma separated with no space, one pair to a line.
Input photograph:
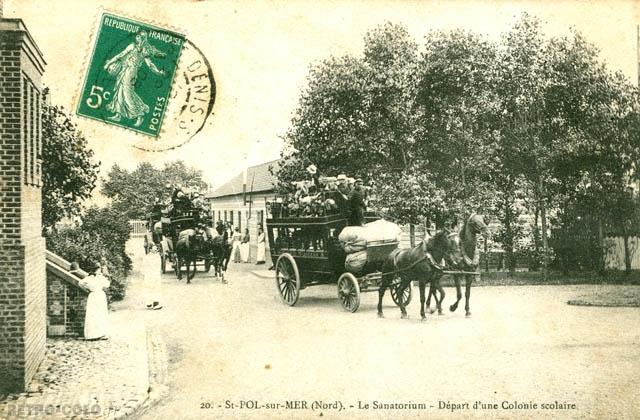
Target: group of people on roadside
[240,242]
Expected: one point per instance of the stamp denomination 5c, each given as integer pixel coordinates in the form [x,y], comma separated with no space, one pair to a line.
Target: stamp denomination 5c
[129,77]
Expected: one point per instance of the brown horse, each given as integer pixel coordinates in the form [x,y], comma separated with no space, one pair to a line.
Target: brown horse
[472,227]
[419,264]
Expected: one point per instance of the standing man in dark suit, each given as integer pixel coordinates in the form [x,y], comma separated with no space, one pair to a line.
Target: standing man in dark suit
[357,204]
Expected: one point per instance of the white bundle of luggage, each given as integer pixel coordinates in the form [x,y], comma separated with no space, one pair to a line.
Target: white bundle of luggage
[358,241]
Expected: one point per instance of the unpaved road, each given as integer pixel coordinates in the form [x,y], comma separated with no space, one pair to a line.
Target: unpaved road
[230,345]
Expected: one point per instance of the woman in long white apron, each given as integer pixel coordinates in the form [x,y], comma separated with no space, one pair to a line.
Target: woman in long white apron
[96,319]
[235,240]
[261,247]
[244,246]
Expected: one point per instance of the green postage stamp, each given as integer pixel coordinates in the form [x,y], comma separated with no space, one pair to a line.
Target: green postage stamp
[129,77]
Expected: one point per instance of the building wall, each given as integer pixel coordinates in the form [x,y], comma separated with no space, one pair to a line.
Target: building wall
[66,305]
[22,272]
[235,204]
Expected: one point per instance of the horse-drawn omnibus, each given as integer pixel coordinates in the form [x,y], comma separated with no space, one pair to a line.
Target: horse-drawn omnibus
[306,252]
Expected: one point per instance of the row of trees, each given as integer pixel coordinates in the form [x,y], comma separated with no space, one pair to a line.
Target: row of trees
[527,124]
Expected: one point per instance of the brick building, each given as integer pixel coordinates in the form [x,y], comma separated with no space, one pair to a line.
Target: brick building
[22,248]
[243,201]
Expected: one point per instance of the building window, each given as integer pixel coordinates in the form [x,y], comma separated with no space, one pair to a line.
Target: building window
[225,216]
[32,137]
[240,220]
[25,129]
[231,216]
[38,128]
[260,215]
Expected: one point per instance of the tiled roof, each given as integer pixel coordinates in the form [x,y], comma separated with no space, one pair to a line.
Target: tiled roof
[259,175]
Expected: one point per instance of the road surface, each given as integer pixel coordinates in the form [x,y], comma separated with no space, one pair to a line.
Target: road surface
[524,353]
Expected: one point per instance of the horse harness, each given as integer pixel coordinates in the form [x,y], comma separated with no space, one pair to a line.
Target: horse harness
[427,257]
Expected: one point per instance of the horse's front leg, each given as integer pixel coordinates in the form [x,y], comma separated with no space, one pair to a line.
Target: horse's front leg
[193,274]
[422,285]
[467,294]
[431,293]
[178,264]
[400,291]
[188,272]
[381,290]
[436,285]
[453,307]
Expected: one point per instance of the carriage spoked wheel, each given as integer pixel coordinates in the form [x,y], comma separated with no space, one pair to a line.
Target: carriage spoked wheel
[287,279]
[349,292]
[406,295]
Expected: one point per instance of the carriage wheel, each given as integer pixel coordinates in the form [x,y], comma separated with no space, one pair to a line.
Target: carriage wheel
[406,296]
[349,292]
[287,279]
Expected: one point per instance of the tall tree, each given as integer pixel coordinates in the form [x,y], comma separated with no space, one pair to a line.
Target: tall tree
[69,168]
[455,107]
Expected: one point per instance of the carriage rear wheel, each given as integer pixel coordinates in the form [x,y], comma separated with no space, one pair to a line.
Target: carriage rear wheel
[287,279]
[406,295]
[349,292]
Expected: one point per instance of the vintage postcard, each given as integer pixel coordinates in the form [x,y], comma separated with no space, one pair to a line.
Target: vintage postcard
[343,209]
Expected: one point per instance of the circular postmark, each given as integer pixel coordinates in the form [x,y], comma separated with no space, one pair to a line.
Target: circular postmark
[161,105]
[190,104]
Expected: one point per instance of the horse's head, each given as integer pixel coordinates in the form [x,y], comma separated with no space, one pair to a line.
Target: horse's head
[445,244]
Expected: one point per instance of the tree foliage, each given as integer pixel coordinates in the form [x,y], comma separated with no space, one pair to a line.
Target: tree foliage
[69,168]
[133,192]
[526,126]
[101,237]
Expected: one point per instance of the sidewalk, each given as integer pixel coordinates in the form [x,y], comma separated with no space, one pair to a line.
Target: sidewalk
[108,379]
[88,379]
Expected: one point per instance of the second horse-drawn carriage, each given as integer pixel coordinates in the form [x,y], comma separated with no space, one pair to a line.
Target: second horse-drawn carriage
[182,239]
[306,251]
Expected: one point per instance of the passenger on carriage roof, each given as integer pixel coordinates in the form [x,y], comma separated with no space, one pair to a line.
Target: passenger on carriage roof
[357,204]
[343,186]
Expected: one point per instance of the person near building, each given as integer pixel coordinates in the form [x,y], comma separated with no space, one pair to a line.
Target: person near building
[96,319]
[244,246]
[261,247]
[235,243]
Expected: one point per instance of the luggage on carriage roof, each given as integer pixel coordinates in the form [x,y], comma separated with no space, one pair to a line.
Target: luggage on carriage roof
[358,238]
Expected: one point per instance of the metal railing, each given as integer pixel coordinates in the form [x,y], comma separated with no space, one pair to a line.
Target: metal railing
[138,228]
